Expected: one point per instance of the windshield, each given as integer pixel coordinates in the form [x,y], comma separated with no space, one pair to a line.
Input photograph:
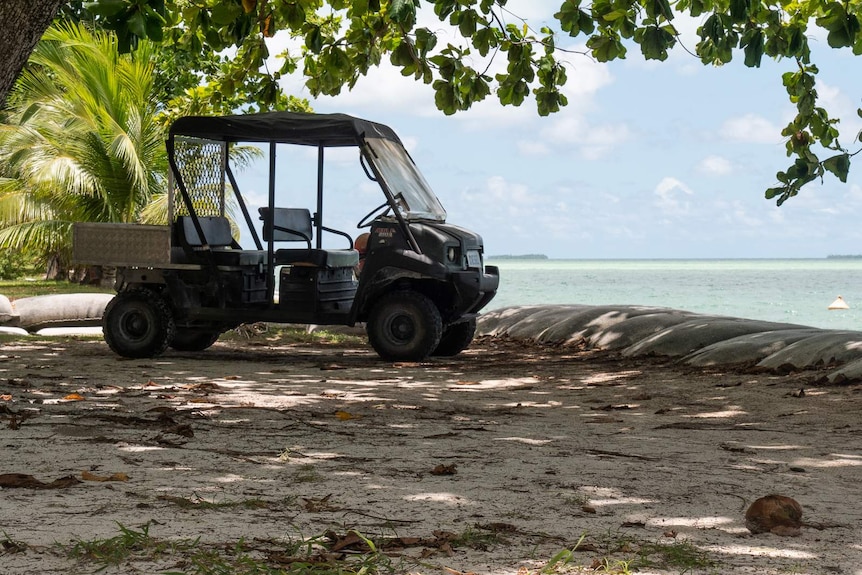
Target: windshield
[416,201]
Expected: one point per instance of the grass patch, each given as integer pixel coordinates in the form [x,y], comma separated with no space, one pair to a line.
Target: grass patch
[681,555]
[306,473]
[478,539]
[621,554]
[258,557]
[16,289]
[129,545]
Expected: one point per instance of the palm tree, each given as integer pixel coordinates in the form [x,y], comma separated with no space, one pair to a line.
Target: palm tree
[80,142]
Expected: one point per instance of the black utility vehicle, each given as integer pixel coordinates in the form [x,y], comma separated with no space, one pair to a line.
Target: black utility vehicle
[417,282]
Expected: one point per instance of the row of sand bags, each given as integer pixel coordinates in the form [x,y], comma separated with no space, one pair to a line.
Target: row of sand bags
[694,339]
[56,314]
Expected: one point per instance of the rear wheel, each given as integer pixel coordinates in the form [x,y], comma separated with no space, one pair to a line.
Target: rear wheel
[456,338]
[138,323]
[192,340]
[404,326]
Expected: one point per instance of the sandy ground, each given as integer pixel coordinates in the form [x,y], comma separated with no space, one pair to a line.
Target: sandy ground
[491,462]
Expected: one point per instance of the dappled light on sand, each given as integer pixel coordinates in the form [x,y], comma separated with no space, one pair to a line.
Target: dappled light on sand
[762,551]
[494,461]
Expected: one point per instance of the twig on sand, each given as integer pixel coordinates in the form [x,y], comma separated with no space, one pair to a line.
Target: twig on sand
[619,454]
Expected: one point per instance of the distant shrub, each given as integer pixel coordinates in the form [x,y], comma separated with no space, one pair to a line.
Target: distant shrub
[14,264]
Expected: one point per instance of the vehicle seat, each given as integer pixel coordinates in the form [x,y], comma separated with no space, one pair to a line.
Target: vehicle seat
[295,225]
[217,235]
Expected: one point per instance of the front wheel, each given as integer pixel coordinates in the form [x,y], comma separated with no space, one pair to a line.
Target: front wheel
[404,326]
[138,323]
[456,338]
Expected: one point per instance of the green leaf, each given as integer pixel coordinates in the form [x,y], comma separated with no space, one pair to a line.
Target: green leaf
[403,12]
[838,165]
[654,42]
[467,25]
[403,55]
[138,25]
[486,39]
[697,8]
[752,42]
[224,13]
[606,48]
[314,39]
[615,15]
[106,8]
[294,15]
[656,8]
[443,8]
[739,10]
[444,97]
[359,8]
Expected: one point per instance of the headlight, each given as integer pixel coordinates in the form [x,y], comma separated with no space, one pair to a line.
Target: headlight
[451,254]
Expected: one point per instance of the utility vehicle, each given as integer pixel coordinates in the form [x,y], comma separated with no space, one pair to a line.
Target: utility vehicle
[417,284]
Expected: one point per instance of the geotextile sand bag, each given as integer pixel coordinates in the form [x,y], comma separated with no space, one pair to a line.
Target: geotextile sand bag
[60,310]
[7,314]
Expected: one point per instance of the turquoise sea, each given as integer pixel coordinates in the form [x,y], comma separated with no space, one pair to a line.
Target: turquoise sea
[785,290]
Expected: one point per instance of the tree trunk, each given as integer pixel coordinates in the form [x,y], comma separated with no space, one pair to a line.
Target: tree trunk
[22,23]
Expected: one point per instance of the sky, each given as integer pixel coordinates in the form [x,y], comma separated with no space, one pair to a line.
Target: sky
[649,159]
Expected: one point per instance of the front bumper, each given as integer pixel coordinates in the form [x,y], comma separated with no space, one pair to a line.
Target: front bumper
[476,289]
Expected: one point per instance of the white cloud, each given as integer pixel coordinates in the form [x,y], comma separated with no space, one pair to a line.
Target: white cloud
[585,76]
[840,107]
[715,166]
[505,192]
[569,129]
[668,200]
[751,128]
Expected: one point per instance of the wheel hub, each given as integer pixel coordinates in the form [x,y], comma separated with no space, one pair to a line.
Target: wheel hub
[402,328]
[135,325]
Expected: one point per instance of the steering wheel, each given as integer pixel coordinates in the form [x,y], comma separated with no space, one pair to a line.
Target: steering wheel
[373,215]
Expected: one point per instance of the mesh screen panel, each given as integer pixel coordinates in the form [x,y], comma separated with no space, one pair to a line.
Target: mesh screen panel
[201,167]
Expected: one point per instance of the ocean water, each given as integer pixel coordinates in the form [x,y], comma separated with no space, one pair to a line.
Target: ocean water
[795,291]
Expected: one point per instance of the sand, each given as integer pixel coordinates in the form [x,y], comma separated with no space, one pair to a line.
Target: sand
[491,462]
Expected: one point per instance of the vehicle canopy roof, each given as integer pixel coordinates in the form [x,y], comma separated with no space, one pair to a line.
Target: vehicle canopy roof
[328,130]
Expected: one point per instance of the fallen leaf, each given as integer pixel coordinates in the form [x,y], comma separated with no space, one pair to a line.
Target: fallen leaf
[6,397]
[620,406]
[205,386]
[74,397]
[87,476]
[588,509]
[345,415]
[331,367]
[9,480]
[466,383]
[318,505]
[350,541]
